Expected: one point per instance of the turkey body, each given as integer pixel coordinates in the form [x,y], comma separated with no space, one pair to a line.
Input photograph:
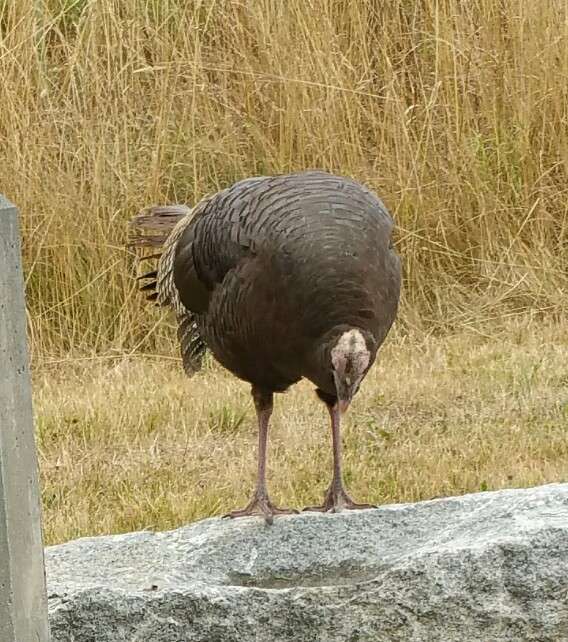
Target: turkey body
[275,268]
[282,278]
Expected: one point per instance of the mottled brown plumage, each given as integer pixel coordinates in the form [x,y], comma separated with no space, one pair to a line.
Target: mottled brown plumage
[283,278]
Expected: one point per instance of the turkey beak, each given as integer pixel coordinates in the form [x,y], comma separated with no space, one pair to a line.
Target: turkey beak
[344,391]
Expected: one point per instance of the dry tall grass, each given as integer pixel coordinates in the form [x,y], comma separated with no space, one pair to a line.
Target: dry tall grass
[457,113]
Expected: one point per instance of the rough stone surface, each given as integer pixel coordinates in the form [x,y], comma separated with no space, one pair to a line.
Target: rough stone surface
[484,567]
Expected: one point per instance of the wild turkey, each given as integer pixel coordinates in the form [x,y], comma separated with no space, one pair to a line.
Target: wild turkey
[281,278]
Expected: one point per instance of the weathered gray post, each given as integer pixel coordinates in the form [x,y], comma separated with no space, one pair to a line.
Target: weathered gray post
[23,603]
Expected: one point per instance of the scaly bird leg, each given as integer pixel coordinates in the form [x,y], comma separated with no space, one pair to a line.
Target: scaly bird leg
[336,497]
[260,503]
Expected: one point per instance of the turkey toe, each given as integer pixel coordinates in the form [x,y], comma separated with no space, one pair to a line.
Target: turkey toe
[336,500]
[261,505]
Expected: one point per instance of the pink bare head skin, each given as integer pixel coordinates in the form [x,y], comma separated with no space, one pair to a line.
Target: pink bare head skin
[350,359]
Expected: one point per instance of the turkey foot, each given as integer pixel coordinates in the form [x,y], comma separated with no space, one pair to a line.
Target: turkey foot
[261,505]
[337,499]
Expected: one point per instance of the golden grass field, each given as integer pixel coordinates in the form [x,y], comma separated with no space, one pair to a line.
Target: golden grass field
[129,443]
[455,113]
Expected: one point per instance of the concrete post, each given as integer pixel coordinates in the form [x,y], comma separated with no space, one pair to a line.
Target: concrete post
[23,602]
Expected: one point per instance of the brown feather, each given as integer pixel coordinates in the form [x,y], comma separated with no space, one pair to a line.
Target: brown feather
[149,275]
[149,257]
[161,227]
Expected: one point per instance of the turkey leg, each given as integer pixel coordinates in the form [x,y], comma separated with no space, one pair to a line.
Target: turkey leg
[336,497]
[260,504]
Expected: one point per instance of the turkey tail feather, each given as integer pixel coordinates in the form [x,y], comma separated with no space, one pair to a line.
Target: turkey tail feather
[192,346]
[159,228]
[152,226]
[149,275]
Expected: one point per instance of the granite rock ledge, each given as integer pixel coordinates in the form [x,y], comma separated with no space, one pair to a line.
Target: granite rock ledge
[490,566]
